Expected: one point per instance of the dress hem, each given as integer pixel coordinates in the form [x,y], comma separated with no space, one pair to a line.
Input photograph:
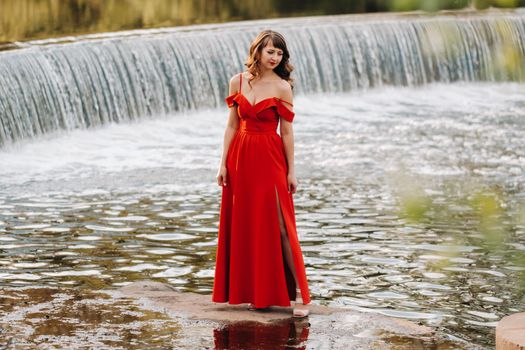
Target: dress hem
[249,302]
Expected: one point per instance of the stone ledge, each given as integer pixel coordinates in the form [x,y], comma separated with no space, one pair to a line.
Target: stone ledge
[341,328]
[200,307]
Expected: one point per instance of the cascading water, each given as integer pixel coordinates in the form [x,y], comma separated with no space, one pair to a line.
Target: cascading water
[110,79]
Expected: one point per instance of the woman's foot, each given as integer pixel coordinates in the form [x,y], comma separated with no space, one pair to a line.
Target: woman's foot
[252,307]
[299,309]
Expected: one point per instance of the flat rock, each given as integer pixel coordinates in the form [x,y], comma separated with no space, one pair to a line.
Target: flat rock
[326,327]
[200,307]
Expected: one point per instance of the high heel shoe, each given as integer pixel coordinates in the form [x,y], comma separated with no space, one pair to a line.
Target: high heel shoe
[299,312]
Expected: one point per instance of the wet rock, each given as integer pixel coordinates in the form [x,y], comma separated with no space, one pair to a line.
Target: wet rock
[146,286]
[55,318]
[337,328]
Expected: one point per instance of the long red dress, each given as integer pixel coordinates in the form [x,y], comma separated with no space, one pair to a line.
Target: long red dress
[250,265]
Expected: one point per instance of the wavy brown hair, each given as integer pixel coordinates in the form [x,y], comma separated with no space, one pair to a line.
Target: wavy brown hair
[284,69]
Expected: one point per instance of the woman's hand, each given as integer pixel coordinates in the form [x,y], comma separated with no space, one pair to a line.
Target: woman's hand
[292,183]
[221,176]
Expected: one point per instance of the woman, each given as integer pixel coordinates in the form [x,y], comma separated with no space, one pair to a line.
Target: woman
[259,260]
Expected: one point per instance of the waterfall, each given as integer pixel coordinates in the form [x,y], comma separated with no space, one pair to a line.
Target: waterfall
[100,79]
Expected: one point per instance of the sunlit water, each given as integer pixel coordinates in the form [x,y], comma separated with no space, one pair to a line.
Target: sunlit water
[105,207]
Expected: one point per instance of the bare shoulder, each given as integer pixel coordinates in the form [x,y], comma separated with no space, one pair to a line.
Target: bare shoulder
[285,90]
[234,83]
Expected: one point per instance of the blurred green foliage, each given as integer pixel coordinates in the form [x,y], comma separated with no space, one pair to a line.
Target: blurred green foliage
[487,217]
[436,5]
[510,60]
[30,19]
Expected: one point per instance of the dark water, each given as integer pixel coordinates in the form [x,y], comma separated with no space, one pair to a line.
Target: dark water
[99,209]
[55,318]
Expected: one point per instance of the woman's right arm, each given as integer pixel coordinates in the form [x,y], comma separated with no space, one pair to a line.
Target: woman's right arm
[231,127]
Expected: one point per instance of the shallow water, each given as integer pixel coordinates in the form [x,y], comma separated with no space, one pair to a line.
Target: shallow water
[102,208]
[72,319]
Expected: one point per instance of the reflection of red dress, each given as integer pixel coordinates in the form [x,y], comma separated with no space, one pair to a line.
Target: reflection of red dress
[255,335]
[250,266]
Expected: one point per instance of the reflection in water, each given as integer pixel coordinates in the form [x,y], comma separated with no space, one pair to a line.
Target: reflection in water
[288,334]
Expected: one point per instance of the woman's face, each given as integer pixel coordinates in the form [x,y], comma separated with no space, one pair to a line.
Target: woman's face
[270,56]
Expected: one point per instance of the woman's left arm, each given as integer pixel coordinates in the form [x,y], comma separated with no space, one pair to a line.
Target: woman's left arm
[286,131]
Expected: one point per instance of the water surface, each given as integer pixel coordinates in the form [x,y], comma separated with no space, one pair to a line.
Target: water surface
[102,208]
